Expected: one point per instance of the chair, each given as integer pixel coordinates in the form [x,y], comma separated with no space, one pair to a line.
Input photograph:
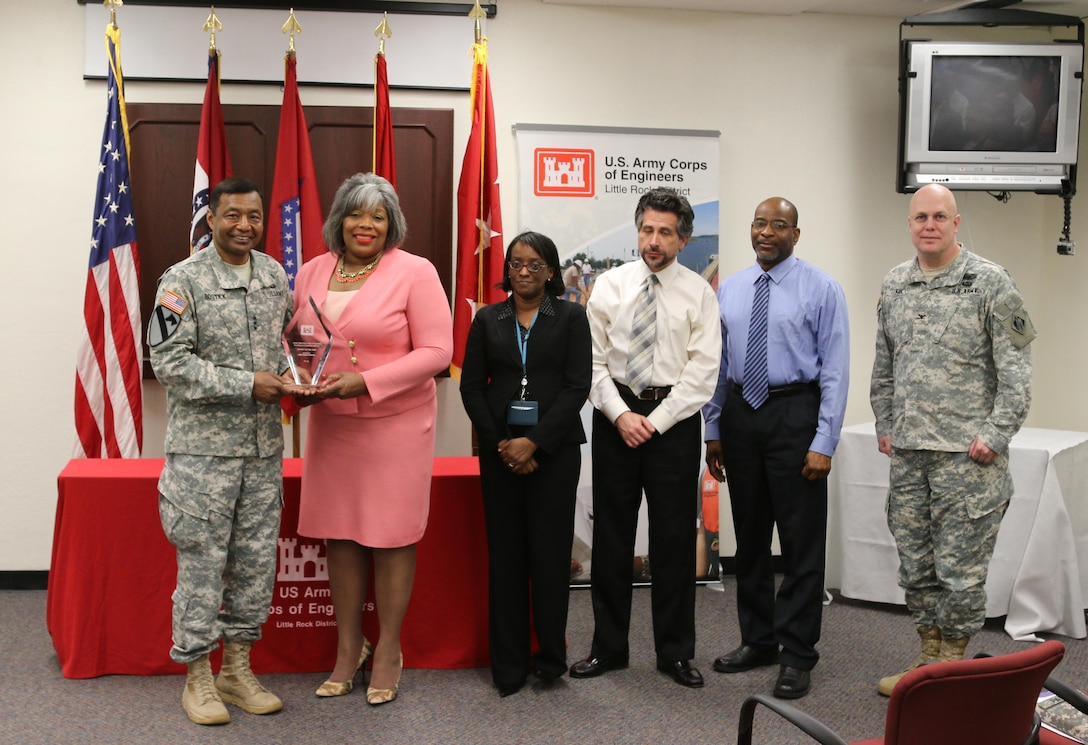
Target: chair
[987,700]
[1077,699]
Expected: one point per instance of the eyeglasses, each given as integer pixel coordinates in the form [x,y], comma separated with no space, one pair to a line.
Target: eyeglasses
[922,218]
[776,225]
[535,268]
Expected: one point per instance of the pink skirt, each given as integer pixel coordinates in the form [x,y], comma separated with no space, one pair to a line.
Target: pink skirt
[368,480]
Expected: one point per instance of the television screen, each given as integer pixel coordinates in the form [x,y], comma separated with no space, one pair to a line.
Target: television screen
[1002,104]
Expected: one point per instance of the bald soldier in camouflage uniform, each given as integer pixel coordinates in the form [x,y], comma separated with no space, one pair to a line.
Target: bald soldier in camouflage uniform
[951,386]
[215,346]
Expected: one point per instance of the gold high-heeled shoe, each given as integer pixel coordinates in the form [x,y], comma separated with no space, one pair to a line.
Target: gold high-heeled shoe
[332,688]
[379,696]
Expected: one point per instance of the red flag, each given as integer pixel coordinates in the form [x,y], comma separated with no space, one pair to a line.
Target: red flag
[108,400]
[212,158]
[480,253]
[385,163]
[294,234]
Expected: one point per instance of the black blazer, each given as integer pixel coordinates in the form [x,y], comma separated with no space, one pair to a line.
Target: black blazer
[559,365]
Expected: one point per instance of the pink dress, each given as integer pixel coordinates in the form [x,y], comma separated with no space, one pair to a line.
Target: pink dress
[366,473]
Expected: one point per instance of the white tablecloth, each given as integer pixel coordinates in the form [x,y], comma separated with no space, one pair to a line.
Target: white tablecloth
[1039,573]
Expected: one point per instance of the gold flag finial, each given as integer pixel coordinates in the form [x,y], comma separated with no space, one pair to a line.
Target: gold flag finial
[383,32]
[476,14]
[211,26]
[113,5]
[292,28]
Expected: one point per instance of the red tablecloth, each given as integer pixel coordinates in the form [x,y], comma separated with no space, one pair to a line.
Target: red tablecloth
[113,571]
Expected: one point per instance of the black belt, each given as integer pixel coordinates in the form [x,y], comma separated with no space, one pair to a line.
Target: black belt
[780,391]
[648,394]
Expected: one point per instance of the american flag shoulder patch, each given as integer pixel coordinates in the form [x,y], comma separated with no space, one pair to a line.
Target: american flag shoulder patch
[173,301]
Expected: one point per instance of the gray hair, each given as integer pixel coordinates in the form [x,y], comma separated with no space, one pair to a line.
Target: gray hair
[367,192]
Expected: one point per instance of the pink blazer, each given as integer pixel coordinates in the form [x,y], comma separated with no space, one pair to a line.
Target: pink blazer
[396,331]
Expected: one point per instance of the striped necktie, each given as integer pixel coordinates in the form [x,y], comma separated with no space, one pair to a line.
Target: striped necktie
[640,353]
[754,387]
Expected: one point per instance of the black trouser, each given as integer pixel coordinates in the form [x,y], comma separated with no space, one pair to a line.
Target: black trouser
[763,453]
[530,529]
[667,468]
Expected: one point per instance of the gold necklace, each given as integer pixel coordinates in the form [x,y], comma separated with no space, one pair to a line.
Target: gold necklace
[346,277]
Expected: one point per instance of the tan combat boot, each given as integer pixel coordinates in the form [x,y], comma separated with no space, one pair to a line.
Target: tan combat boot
[238,686]
[200,699]
[931,650]
[952,649]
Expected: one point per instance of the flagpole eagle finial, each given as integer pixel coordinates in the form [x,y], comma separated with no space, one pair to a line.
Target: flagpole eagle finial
[212,25]
[113,5]
[292,28]
[383,32]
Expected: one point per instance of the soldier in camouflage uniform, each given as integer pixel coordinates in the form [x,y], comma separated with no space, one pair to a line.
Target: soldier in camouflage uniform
[215,346]
[951,386]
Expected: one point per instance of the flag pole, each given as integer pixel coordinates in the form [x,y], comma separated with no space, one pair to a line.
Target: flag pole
[383,32]
[292,27]
[108,391]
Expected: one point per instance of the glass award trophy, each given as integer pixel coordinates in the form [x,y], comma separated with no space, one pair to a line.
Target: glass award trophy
[307,345]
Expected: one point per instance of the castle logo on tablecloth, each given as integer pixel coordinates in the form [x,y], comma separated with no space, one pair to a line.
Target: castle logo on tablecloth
[302,563]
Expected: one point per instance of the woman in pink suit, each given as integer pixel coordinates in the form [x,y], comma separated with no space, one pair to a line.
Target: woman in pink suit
[366,476]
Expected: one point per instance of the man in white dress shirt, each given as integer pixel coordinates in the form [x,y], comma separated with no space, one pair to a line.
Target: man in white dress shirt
[656,350]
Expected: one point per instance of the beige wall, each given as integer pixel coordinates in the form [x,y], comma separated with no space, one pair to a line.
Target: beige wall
[807,110]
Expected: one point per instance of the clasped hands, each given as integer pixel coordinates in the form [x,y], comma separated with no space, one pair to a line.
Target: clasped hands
[517,454]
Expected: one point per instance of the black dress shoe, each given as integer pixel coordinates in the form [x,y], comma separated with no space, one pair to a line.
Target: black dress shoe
[591,667]
[745,657]
[682,672]
[508,689]
[548,676]
[792,682]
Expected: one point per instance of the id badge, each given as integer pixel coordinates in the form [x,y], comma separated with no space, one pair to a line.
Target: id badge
[522,413]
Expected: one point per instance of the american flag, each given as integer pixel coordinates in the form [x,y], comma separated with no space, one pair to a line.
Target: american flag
[108,401]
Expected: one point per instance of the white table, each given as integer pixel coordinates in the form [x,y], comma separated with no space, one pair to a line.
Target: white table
[1038,577]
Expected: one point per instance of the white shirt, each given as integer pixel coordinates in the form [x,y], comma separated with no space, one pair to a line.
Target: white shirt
[688,346]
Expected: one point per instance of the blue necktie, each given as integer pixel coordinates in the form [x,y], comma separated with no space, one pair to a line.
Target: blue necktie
[640,352]
[754,386]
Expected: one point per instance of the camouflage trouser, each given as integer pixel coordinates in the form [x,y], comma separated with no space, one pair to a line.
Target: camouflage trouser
[223,516]
[944,511]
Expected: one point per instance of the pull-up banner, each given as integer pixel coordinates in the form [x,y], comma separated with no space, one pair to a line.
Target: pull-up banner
[580,186]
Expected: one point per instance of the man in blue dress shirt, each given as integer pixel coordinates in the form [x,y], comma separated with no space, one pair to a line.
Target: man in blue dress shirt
[771,430]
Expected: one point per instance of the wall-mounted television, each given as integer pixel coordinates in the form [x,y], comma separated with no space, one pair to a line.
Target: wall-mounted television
[990,116]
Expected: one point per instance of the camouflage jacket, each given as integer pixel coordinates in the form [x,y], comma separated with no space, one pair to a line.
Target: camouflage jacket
[952,357]
[208,334]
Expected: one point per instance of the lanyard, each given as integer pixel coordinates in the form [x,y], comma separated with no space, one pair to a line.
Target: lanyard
[523,347]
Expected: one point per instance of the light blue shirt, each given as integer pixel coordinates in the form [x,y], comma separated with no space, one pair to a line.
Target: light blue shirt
[808,339]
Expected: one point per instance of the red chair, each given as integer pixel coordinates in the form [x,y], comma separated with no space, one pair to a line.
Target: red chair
[987,700]
[1074,697]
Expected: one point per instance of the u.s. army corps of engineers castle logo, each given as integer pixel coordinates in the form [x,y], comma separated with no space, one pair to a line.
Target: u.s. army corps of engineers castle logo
[563,172]
[305,563]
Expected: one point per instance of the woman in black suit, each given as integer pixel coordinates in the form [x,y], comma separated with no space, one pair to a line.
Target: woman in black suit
[525,377]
